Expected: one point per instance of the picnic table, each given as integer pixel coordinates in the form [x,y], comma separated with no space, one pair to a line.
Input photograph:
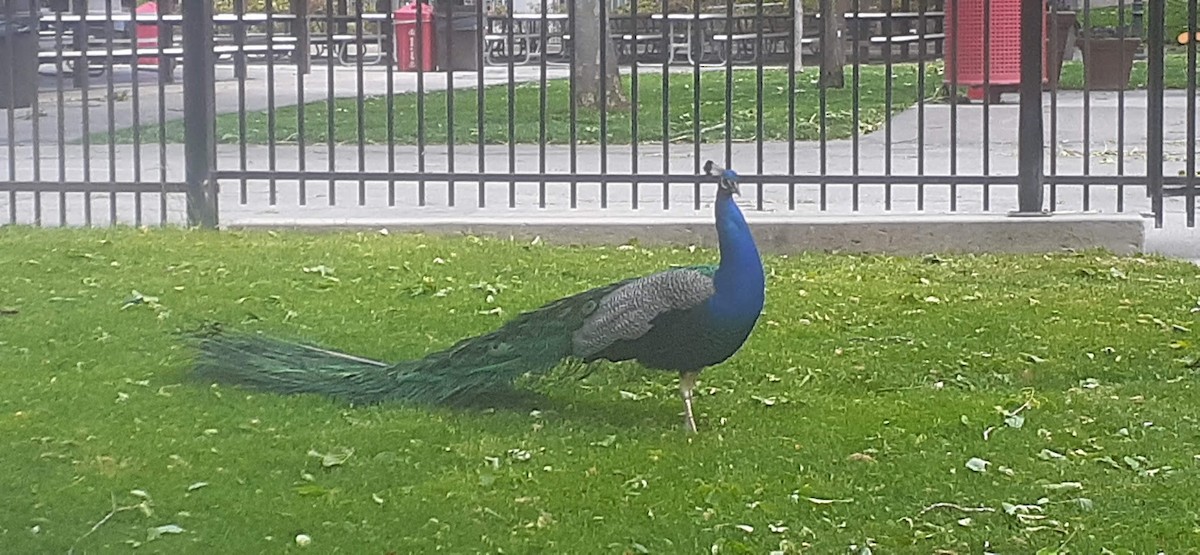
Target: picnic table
[521,34]
[369,28]
[76,40]
[715,38]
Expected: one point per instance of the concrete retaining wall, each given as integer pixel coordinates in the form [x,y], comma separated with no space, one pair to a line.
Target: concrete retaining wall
[900,234]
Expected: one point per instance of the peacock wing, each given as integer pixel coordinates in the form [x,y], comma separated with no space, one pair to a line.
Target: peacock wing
[633,310]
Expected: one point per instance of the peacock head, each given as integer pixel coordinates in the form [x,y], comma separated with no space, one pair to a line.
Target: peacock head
[727,180]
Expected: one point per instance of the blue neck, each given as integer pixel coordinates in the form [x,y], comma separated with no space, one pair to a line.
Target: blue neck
[739,280]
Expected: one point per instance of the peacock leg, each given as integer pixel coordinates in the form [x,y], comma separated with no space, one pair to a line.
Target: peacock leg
[687,382]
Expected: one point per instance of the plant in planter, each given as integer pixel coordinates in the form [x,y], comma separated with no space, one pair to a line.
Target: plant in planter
[1108,54]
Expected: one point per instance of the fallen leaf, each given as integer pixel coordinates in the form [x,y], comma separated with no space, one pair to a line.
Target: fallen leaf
[159,531]
[333,458]
[1048,455]
[197,486]
[819,501]
[1015,421]
[1064,486]
[977,464]
[860,457]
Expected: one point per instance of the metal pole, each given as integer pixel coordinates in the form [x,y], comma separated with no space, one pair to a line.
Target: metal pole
[1155,40]
[199,112]
[1030,146]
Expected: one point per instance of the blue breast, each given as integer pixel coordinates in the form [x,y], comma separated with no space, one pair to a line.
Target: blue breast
[739,280]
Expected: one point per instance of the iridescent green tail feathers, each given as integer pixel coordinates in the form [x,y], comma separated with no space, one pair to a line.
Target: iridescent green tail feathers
[531,343]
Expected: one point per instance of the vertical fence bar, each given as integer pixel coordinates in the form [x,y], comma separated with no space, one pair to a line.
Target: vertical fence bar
[239,39]
[359,100]
[922,7]
[1190,179]
[987,102]
[604,38]
[135,106]
[272,119]
[304,23]
[82,80]
[826,12]
[1087,101]
[954,99]
[1029,149]
[760,54]
[696,84]
[32,7]
[796,39]
[166,73]
[887,103]
[447,56]
[512,99]
[1154,107]
[60,115]
[856,101]
[1054,114]
[668,39]
[481,23]
[330,94]
[1120,121]
[391,59]
[574,107]
[110,90]
[731,28]
[199,111]
[636,29]
[542,107]
[10,37]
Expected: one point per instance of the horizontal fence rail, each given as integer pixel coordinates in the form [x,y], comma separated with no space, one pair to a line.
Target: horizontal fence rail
[357,111]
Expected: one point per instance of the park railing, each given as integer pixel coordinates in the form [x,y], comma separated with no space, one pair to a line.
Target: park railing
[335,112]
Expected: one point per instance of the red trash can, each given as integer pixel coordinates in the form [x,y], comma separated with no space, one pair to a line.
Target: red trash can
[411,55]
[147,33]
[965,52]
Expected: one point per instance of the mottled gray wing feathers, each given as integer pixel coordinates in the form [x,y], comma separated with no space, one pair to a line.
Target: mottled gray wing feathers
[627,312]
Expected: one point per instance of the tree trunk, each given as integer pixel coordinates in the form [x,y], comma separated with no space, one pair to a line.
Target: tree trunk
[798,34]
[588,73]
[833,46]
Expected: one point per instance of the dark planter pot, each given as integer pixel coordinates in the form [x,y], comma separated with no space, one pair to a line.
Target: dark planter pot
[1109,61]
[1060,26]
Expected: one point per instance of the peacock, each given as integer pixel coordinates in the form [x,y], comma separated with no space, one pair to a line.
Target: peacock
[682,319]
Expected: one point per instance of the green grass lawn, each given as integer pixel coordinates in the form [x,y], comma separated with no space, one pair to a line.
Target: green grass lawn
[840,117]
[861,412]
[528,98]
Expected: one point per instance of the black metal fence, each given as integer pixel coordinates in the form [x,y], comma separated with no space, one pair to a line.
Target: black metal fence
[344,112]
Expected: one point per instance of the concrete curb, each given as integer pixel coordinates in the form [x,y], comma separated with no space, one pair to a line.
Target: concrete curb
[898,234]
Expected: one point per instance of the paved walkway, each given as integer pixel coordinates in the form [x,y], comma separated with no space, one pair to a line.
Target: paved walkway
[915,146]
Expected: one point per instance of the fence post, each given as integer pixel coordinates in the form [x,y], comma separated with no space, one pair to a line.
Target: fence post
[1155,40]
[1030,176]
[199,112]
